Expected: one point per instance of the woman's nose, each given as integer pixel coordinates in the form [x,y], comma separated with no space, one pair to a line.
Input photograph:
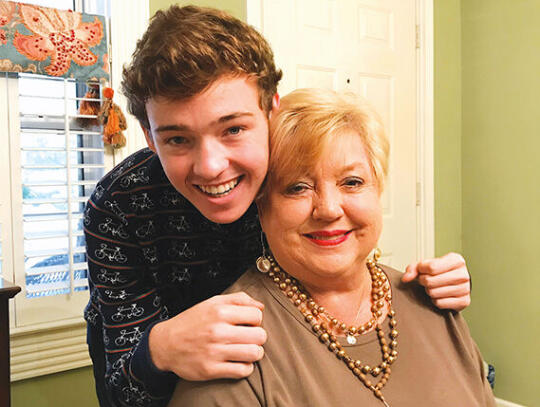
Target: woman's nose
[327,206]
[211,160]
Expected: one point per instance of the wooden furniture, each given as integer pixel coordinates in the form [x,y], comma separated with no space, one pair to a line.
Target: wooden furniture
[7,291]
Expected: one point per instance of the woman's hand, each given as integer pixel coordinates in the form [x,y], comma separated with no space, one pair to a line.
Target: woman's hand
[446,280]
[217,338]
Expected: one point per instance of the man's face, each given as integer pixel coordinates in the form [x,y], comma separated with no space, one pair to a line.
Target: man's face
[213,146]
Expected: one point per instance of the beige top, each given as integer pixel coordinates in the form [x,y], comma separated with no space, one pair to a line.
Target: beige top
[438,362]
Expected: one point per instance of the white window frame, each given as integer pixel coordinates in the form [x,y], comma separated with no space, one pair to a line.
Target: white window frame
[5,196]
[39,348]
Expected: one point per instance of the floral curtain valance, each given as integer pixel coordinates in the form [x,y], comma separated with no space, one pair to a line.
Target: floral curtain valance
[47,41]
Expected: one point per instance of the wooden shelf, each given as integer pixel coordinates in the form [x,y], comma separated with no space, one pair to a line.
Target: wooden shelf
[7,291]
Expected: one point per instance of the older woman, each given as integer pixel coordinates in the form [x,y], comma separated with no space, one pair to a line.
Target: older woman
[342,328]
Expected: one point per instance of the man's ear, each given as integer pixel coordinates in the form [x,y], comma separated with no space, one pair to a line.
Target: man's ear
[275,102]
[149,138]
[275,105]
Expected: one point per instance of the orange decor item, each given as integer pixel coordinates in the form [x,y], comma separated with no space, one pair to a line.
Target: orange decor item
[113,121]
[108,93]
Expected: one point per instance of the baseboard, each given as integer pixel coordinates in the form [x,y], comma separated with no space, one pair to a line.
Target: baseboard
[504,403]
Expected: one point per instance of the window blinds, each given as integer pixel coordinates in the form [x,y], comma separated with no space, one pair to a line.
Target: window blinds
[60,163]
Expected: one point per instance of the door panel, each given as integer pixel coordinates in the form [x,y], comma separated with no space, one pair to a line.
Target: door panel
[367,47]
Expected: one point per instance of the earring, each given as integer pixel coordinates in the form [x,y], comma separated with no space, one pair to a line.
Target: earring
[263,264]
[376,255]
[375,258]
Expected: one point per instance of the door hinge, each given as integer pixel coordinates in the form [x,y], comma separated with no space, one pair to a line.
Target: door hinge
[418,33]
[418,193]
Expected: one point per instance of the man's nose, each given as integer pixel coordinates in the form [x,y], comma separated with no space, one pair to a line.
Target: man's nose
[211,160]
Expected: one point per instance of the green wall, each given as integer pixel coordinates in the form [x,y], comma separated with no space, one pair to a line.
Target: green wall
[447,125]
[235,7]
[487,196]
[501,193]
[67,389]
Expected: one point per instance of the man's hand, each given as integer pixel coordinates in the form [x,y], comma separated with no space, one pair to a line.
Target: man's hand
[446,280]
[217,338]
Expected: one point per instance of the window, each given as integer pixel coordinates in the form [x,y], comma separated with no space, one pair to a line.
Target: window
[56,162]
[61,161]
[49,165]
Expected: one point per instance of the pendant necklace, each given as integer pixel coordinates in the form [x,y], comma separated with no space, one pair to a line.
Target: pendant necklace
[327,327]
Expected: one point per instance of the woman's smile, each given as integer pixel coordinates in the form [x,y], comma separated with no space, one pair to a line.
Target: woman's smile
[328,237]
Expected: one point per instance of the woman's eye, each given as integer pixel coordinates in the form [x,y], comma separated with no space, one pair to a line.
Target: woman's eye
[297,188]
[354,182]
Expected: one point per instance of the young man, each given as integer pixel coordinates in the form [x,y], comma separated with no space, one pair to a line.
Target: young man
[173,225]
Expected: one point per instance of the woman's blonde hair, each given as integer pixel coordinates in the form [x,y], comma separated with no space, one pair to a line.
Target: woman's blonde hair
[309,122]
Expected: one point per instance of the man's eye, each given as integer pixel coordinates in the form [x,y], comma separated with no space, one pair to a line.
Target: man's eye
[234,130]
[177,140]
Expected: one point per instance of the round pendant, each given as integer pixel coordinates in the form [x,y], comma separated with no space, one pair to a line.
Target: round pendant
[351,340]
[263,264]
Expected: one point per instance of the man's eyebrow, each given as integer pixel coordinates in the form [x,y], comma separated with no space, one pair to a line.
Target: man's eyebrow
[171,127]
[233,116]
[222,119]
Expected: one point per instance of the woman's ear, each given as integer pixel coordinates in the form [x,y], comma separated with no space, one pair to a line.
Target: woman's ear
[261,204]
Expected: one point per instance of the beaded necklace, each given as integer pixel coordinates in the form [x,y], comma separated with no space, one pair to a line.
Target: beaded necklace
[326,327]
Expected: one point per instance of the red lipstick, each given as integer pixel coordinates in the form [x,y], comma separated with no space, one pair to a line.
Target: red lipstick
[328,237]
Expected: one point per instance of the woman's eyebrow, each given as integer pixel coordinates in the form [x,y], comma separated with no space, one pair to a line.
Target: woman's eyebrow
[353,166]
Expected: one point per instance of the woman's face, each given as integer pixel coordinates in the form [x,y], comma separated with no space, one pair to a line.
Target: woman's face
[322,227]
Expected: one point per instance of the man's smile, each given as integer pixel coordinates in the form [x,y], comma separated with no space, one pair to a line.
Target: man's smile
[220,189]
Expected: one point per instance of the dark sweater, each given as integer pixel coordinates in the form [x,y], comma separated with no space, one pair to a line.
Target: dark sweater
[151,255]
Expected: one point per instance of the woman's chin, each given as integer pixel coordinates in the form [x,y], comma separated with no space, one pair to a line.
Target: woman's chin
[336,259]
[333,269]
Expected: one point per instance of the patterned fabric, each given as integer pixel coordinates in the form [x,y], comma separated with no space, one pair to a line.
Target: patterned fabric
[151,255]
[52,42]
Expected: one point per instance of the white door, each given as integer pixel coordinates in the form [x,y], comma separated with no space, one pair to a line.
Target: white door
[368,47]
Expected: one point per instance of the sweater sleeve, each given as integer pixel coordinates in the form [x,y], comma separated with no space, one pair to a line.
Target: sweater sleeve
[124,306]
[487,397]
[246,392]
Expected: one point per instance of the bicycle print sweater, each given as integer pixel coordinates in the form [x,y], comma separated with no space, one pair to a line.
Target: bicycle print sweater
[151,254]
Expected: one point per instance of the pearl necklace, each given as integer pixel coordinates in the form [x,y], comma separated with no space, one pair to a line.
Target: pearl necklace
[327,327]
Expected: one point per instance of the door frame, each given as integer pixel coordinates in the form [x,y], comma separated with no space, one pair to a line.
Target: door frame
[425,221]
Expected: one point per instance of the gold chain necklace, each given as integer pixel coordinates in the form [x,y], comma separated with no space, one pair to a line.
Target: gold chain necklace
[324,325]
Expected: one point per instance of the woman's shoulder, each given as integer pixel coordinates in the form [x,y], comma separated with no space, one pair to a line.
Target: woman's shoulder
[251,282]
[411,299]
[410,294]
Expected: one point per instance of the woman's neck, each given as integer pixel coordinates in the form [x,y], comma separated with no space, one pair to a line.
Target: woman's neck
[349,302]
